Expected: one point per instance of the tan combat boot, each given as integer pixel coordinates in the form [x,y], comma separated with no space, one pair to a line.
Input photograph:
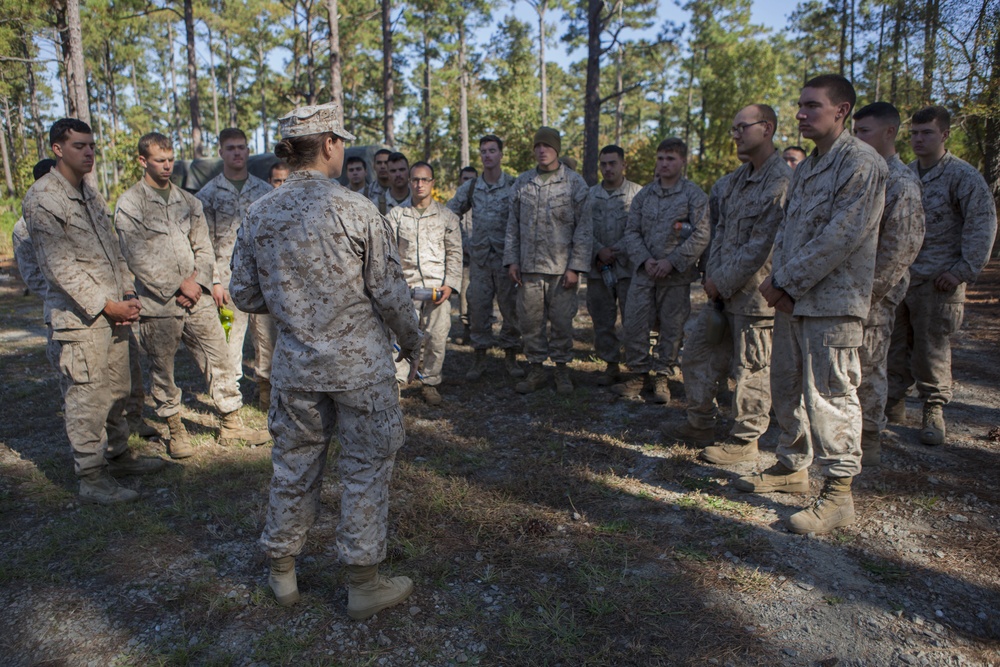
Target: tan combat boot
[833,509]
[729,452]
[431,395]
[630,387]
[932,431]
[282,580]
[661,389]
[510,364]
[179,443]
[563,384]
[233,431]
[871,449]
[100,488]
[686,433]
[369,592]
[478,366]
[535,380]
[130,463]
[610,375]
[264,394]
[139,426]
[895,410]
[777,478]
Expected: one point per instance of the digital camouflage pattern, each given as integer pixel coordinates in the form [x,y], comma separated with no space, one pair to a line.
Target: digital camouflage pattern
[543,294]
[322,261]
[429,245]
[224,209]
[27,263]
[546,230]
[750,212]
[487,205]
[824,252]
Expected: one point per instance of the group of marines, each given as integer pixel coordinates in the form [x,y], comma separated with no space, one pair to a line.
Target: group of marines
[852,267]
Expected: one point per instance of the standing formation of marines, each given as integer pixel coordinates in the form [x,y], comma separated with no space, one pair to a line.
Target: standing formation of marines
[827,299]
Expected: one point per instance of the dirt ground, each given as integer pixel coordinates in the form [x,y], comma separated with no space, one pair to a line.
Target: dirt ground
[539,529]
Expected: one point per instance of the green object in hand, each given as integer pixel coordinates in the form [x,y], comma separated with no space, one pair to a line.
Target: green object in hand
[226,317]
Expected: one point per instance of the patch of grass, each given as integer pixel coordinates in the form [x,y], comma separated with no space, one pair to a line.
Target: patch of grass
[747,580]
[691,553]
[833,599]
[926,502]
[613,526]
[885,571]
[280,647]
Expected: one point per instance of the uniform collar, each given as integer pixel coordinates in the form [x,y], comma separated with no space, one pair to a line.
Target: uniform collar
[84,194]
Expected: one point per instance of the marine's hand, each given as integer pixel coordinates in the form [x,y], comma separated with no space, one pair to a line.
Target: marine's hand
[947,282]
[445,294]
[123,312]
[514,271]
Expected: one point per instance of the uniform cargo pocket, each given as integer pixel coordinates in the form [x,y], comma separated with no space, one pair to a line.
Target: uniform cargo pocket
[73,362]
[840,373]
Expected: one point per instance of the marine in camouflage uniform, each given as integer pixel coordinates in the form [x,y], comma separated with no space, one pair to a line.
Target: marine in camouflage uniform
[750,211]
[333,371]
[900,235]
[607,210]
[548,244]
[961,223]
[225,206]
[91,302]
[821,285]
[430,251]
[486,201]
[165,241]
[667,224]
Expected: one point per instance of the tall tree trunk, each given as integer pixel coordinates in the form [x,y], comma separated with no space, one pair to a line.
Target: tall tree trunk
[463,99]
[135,83]
[542,76]
[213,79]
[425,91]
[388,92]
[173,92]
[112,105]
[931,15]
[336,82]
[897,37]
[592,92]
[261,81]
[878,55]
[76,71]
[991,152]
[312,94]
[227,43]
[852,40]
[843,38]
[7,176]
[197,148]
[619,90]
[102,147]
[36,113]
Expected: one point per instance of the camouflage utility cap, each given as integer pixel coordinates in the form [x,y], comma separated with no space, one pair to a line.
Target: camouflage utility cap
[314,119]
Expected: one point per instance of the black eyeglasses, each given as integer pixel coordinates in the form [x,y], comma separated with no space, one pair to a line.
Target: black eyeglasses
[738,130]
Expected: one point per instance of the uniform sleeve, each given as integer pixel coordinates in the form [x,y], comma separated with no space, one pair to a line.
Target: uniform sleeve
[244,285]
[637,250]
[27,263]
[384,279]
[588,219]
[130,239]
[899,239]
[56,256]
[733,271]
[583,234]
[221,267]
[858,199]
[459,204]
[687,254]
[201,245]
[979,228]
[453,252]
[512,240]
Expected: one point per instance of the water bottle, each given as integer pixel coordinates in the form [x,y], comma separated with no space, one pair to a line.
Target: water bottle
[608,276]
[425,294]
[226,317]
[683,229]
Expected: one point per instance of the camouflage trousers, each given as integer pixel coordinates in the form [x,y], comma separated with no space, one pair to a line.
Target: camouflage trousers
[647,304]
[205,339]
[745,353]
[920,349]
[487,282]
[604,305]
[368,424]
[435,323]
[263,332]
[137,397]
[94,378]
[874,354]
[542,301]
[463,296]
[815,373]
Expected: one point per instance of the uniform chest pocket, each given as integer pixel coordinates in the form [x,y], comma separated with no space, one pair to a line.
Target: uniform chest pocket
[226,207]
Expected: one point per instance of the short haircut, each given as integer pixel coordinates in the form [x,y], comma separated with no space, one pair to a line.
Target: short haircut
[837,88]
[61,128]
[280,164]
[767,113]
[469,170]
[356,159]
[231,133]
[882,111]
[398,157]
[417,164]
[154,139]
[936,113]
[795,148]
[611,148]
[487,138]
[383,151]
[42,167]
[674,145]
